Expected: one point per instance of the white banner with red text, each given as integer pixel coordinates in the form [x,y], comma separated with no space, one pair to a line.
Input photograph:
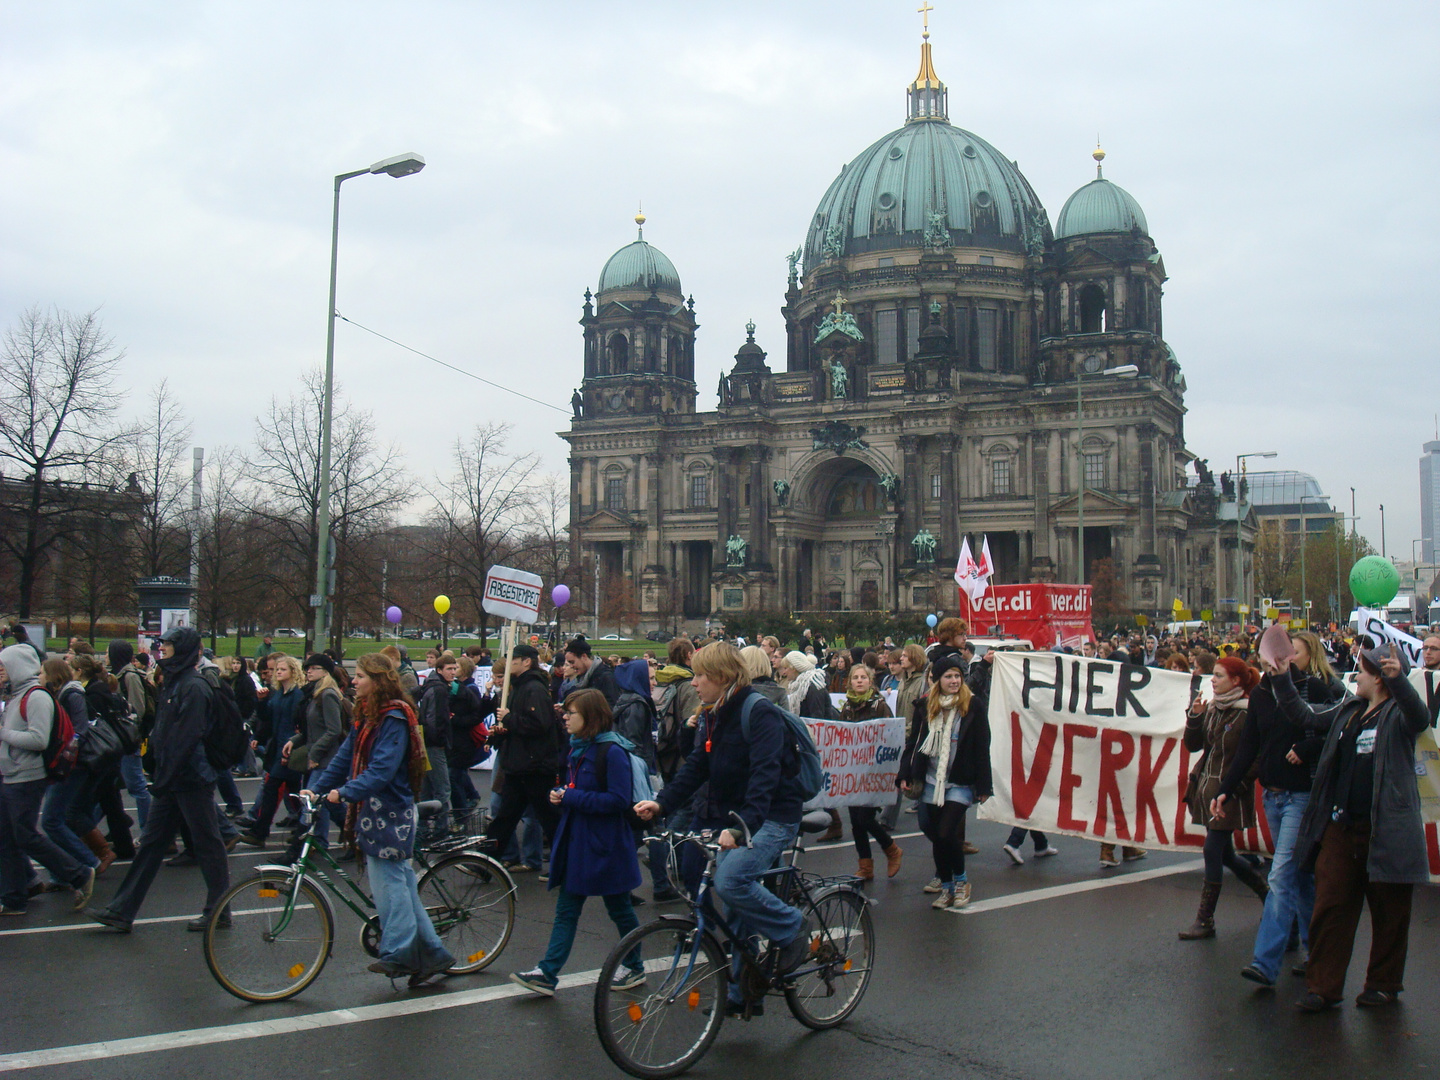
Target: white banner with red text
[1095,749]
[859,760]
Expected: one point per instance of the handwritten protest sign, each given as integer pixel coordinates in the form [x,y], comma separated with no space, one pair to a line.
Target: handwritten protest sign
[860,761]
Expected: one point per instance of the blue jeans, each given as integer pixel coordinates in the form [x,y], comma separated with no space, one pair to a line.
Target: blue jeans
[567,916]
[225,787]
[1292,890]
[22,841]
[407,936]
[133,773]
[328,811]
[58,800]
[753,908]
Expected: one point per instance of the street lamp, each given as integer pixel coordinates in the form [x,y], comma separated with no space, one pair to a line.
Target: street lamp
[1239,556]
[1304,537]
[398,166]
[1091,365]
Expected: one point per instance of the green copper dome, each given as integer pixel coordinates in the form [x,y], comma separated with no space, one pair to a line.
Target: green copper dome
[640,266]
[927,184]
[1100,207]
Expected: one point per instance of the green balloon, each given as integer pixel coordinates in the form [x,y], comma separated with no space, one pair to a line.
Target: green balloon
[1374,581]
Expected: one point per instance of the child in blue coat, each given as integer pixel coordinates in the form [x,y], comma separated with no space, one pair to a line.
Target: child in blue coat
[594,848]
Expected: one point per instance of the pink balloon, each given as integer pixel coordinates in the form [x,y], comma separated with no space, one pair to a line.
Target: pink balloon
[560,595]
[393,614]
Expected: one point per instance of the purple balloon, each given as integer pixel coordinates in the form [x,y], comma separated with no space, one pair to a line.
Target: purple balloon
[394,614]
[560,595]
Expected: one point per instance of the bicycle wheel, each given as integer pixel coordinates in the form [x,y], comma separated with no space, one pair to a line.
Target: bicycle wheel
[471,901]
[842,954]
[665,1026]
[278,939]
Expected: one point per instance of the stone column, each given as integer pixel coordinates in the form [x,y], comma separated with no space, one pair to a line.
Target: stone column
[759,539]
[949,498]
[726,458]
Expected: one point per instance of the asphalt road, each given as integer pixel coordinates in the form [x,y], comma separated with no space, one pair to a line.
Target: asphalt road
[1048,977]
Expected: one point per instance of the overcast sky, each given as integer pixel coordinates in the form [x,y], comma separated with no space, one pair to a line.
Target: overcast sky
[171,164]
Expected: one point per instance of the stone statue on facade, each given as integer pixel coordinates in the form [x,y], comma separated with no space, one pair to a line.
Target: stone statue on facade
[735,551]
[924,545]
[839,380]
[834,241]
[890,484]
[577,403]
[782,493]
[937,235]
[794,260]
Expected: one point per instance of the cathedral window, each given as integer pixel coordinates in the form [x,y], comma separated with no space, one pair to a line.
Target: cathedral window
[617,355]
[1095,470]
[887,337]
[935,487]
[700,491]
[912,333]
[615,493]
[987,338]
[1093,316]
[1000,476]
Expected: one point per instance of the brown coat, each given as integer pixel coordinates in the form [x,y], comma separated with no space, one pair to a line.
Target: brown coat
[1215,736]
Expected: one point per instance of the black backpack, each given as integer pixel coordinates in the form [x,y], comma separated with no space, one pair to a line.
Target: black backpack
[226,739]
[104,704]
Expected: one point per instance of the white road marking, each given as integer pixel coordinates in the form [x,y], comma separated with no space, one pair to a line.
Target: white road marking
[176,1040]
[1055,891]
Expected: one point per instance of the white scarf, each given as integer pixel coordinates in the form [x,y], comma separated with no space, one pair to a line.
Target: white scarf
[937,745]
[800,686]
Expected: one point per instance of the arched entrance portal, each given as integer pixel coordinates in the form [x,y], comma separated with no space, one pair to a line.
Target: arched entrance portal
[845,556]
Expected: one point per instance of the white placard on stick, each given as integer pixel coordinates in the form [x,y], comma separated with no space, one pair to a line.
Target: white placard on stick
[512,594]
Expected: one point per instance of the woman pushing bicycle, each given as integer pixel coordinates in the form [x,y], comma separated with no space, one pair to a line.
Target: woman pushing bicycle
[378,769]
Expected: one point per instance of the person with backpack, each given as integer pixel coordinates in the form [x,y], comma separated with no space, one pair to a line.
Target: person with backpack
[440,688]
[744,750]
[594,850]
[114,733]
[183,786]
[31,730]
[679,702]
[57,677]
[139,692]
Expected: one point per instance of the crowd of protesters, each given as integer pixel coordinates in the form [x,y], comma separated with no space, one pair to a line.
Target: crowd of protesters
[1334,772]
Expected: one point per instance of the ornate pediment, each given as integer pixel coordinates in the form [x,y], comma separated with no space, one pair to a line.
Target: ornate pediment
[839,436]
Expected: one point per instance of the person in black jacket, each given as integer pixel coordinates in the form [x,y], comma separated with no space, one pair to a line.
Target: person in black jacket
[1269,737]
[753,778]
[527,738]
[634,710]
[947,758]
[590,673]
[440,688]
[183,786]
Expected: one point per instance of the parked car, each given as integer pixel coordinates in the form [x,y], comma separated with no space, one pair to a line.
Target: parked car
[287,631]
[660,635]
[611,637]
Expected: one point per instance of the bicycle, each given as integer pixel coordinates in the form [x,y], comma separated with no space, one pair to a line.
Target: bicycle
[661,1029]
[269,936]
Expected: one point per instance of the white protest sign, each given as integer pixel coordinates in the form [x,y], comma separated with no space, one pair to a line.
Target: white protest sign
[1374,624]
[512,594]
[859,760]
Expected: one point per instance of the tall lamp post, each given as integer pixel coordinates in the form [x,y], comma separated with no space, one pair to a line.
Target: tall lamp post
[1304,543]
[1239,556]
[398,166]
[1091,365]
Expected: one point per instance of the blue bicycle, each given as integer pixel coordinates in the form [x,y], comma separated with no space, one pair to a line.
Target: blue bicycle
[664,1025]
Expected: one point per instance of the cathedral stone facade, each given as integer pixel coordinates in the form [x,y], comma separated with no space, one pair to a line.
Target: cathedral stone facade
[954,366]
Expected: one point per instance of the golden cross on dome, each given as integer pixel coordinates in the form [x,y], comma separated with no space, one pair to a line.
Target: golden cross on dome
[924,11]
[840,303]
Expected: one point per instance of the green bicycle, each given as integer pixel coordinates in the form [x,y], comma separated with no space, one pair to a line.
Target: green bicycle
[269,936]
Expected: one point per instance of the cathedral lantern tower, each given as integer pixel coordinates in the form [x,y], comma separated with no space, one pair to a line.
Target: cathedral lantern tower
[639,337]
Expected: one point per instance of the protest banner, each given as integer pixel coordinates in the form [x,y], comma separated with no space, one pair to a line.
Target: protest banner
[513,595]
[1045,615]
[860,761]
[1094,749]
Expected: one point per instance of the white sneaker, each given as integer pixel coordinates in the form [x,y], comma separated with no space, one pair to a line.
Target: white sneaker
[944,900]
[1047,853]
[1014,853]
[962,894]
[933,887]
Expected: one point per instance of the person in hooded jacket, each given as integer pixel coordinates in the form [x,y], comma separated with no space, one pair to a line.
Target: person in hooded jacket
[594,851]
[634,710]
[527,737]
[183,787]
[24,733]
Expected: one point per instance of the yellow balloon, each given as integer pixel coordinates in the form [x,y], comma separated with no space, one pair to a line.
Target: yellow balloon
[442,605]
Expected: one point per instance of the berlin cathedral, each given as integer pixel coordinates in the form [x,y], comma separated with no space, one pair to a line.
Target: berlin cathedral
[955,365]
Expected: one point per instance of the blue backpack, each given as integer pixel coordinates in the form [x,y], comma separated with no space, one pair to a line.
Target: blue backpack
[640,787]
[811,777]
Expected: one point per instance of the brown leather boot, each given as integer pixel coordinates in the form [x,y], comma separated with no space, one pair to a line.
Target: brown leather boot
[893,855]
[1204,924]
[867,870]
[100,847]
[834,832]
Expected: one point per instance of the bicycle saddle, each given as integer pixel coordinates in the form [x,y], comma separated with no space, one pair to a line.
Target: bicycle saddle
[429,808]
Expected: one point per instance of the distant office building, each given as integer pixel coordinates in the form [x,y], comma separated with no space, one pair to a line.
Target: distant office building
[1430,501]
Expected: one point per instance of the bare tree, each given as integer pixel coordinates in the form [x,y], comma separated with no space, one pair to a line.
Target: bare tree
[57,398]
[480,509]
[368,485]
[160,454]
[229,550]
[544,547]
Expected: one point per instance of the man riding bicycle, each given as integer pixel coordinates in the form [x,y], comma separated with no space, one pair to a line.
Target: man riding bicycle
[755,778]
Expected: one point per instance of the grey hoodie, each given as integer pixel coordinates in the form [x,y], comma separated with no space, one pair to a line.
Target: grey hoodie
[22,742]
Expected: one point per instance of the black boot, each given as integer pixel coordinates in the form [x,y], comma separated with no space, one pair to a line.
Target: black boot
[1204,924]
[1251,878]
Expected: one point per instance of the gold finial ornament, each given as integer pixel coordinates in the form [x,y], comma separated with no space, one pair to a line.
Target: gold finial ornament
[640,221]
[1099,156]
[924,11]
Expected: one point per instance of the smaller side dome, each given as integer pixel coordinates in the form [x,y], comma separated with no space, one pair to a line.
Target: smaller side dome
[640,266]
[1100,207]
